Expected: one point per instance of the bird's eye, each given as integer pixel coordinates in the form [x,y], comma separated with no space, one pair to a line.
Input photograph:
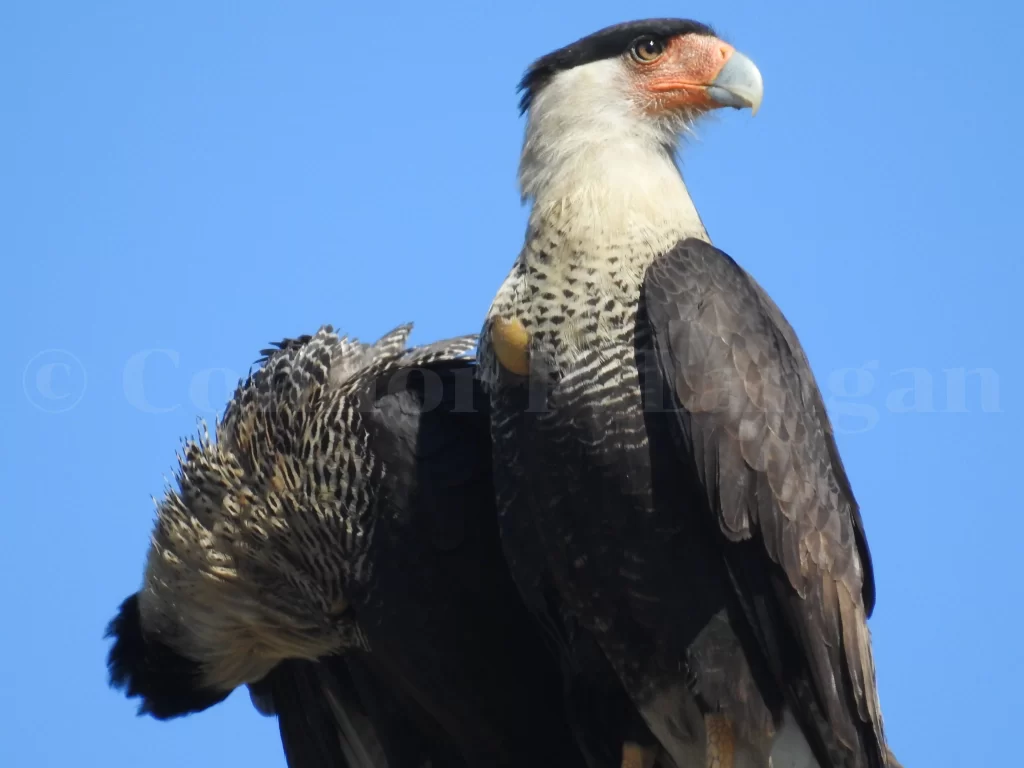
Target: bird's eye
[647,49]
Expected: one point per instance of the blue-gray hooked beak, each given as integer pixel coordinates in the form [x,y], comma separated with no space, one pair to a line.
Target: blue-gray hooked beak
[738,84]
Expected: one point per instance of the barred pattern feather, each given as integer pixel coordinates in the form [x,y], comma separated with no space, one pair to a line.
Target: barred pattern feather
[272,520]
[335,547]
[668,465]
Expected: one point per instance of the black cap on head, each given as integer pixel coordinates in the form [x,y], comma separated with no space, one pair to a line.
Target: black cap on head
[603,44]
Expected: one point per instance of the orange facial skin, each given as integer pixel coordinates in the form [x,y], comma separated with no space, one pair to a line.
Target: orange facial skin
[679,78]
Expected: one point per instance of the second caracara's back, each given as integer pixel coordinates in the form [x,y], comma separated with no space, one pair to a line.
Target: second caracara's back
[336,550]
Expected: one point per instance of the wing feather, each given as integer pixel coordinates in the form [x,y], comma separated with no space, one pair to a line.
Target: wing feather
[320,717]
[762,445]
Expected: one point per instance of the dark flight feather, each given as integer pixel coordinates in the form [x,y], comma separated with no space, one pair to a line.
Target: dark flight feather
[322,719]
[765,455]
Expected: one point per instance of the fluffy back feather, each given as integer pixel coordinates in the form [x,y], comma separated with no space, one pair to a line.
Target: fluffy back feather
[250,551]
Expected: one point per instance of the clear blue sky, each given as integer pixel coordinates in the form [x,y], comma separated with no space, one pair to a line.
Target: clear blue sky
[181,183]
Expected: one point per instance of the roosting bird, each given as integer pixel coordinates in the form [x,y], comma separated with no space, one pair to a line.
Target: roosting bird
[336,549]
[666,471]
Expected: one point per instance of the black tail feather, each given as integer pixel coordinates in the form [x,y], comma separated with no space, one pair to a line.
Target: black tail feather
[143,667]
[338,711]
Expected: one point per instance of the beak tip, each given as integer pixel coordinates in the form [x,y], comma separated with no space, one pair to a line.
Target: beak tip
[739,84]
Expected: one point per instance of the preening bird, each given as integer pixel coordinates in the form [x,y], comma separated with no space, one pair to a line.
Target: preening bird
[666,472]
[336,549]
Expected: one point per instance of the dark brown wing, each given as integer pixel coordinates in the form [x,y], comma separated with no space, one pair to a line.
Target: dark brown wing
[752,422]
[322,720]
[444,620]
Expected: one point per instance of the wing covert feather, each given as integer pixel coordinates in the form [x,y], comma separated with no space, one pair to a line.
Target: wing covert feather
[745,383]
[762,445]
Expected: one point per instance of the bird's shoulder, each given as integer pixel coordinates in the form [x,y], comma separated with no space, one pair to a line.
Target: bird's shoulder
[745,384]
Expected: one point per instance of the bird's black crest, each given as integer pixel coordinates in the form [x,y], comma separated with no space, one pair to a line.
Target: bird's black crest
[603,44]
[143,667]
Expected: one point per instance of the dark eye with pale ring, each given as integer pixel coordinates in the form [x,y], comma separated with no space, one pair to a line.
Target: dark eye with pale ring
[647,49]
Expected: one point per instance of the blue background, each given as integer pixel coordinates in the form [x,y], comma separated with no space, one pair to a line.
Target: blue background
[181,183]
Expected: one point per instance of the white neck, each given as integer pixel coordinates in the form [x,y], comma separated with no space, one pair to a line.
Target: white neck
[601,167]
